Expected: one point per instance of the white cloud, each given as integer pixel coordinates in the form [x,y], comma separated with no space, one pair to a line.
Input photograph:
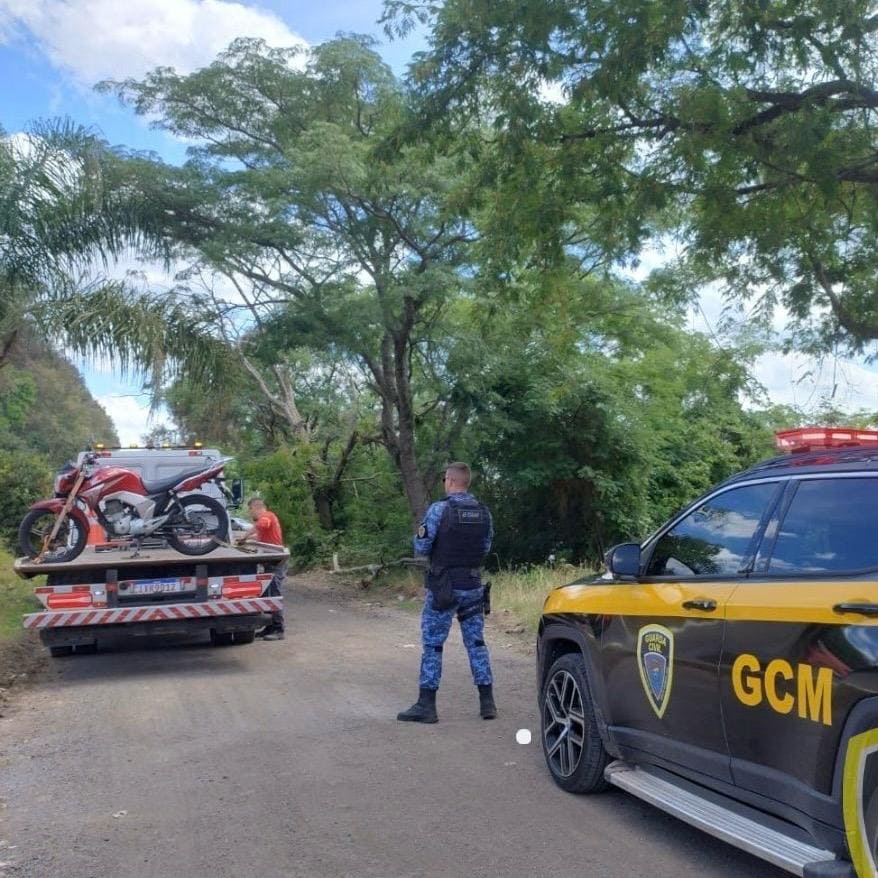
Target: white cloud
[100,39]
[130,416]
[806,382]
[794,379]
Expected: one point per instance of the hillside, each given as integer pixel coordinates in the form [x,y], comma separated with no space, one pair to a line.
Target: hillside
[45,406]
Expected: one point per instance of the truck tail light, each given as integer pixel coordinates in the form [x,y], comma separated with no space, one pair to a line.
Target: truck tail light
[77,598]
[235,588]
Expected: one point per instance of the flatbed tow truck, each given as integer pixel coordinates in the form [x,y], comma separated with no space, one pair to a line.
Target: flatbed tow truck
[113,592]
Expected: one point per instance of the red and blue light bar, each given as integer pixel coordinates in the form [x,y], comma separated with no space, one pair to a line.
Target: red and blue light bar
[813,438]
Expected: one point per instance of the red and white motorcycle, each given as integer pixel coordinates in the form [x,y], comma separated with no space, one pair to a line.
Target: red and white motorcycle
[126,507]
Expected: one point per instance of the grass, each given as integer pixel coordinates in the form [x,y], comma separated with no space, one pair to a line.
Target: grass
[16,598]
[21,656]
[521,592]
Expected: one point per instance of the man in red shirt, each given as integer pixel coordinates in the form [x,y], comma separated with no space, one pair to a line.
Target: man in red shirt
[266,529]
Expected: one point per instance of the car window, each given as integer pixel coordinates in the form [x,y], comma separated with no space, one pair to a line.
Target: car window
[831,525]
[714,538]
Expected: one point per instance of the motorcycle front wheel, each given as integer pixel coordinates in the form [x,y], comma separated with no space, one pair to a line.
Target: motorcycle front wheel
[202,527]
[37,525]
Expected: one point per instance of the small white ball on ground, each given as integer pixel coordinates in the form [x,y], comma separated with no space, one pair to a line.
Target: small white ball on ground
[522,736]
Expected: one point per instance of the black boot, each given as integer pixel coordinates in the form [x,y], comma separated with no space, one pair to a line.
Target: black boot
[487,708]
[423,710]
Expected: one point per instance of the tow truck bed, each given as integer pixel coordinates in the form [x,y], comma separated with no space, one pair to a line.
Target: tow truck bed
[160,591]
[91,558]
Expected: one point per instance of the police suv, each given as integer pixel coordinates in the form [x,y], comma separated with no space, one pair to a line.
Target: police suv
[726,670]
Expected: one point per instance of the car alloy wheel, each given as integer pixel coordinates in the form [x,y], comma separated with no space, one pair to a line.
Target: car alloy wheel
[563,724]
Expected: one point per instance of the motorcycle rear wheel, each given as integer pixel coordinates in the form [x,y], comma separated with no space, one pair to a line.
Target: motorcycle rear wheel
[208,525]
[66,546]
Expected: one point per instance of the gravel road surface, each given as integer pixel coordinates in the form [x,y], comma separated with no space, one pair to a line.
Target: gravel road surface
[280,760]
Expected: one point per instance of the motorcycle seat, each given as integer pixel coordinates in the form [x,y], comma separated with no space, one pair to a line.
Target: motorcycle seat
[166,484]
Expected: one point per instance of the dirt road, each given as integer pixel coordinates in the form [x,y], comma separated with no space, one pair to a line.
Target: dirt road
[280,760]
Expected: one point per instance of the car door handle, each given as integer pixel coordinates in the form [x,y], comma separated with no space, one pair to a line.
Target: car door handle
[863,608]
[706,604]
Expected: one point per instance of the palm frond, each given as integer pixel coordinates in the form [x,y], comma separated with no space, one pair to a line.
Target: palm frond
[156,337]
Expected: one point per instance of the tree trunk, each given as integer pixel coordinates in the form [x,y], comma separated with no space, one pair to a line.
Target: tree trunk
[397,424]
[410,472]
[323,505]
[6,347]
[409,469]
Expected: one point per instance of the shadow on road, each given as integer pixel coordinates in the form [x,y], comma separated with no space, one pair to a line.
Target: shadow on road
[152,656]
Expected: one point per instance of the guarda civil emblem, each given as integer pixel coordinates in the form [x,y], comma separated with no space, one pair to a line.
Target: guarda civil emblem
[655,661]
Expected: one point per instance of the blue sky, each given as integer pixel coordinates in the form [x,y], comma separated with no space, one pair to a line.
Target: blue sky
[48,69]
[53,51]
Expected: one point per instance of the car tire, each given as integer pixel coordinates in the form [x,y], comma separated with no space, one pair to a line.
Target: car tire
[245,636]
[572,744]
[220,638]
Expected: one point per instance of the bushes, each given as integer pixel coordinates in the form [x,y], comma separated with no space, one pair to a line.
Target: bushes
[370,514]
[280,479]
[24,478]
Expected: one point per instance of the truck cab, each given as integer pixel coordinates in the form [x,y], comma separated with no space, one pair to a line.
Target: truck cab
[159,464]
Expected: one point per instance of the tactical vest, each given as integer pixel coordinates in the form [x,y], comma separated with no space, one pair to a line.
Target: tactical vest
[459,546]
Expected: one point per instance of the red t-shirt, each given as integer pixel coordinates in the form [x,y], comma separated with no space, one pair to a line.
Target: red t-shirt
[268,529]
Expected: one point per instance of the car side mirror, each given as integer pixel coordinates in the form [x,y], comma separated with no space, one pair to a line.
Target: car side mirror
[236,492]
[624,560]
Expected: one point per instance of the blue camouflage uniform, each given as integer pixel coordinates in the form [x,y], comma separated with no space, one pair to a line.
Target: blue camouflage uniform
[468,594]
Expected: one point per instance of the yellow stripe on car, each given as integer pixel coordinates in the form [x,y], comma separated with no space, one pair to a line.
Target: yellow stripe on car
[802,600]
[639,599]
[797,601]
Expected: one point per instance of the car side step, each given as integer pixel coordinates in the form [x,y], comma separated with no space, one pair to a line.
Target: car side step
[724,823]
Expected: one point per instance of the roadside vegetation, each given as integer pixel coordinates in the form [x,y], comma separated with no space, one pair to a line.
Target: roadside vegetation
[20,652]
[523,592]
[16,599]
[47,415]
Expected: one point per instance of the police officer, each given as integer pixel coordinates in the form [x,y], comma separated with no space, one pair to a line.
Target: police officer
[456,535]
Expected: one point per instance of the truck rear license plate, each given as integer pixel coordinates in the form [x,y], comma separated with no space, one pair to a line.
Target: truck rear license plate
[155,586]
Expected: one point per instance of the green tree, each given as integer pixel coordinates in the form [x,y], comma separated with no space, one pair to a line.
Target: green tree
[290,198]
[594,417]
[743,129]
[225,415]
[24,478]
